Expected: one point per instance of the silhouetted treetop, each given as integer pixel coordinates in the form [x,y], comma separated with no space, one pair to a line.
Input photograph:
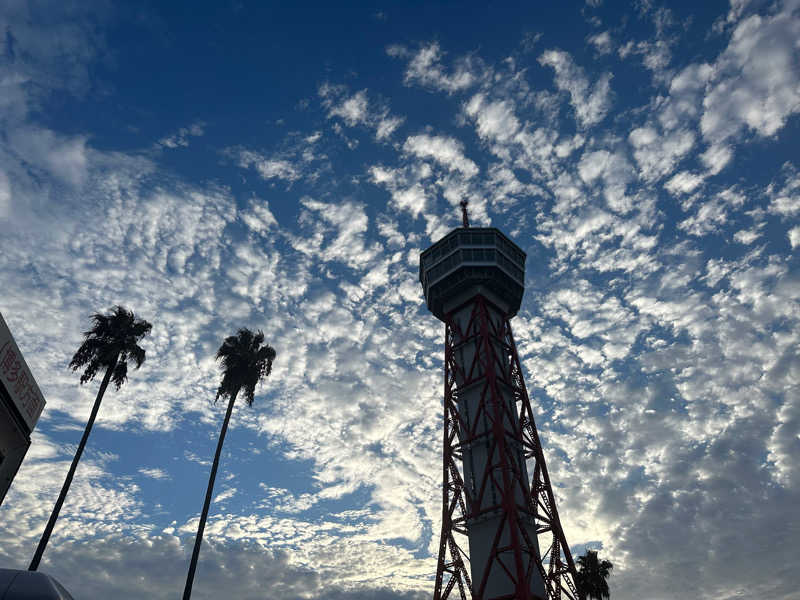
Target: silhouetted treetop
[244,363]
[113,339]
[593,574]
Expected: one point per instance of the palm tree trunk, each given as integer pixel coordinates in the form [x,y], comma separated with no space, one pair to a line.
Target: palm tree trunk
[68,481]
[187,591]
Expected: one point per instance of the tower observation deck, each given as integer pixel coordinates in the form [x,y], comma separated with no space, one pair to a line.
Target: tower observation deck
[496,489]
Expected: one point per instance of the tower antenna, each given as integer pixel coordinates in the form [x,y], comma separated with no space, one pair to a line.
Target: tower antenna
[464,215]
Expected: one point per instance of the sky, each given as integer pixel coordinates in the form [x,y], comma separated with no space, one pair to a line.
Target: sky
[280,166]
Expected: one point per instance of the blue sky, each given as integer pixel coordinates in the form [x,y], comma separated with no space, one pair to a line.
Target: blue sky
[281,167]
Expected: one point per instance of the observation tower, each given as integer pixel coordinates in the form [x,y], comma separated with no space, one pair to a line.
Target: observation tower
[473,279]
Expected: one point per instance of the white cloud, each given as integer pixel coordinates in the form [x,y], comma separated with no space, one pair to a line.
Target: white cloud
[225,568]
[447,151]
[425,68]
[495,119]
[684,183]
[387,126]
[155,473]
[407,187]
[282,500]
[712,213]
[756,80]
[657,154]
[413,199]
[5,196]
[716,158]
[389,230]
[63,157]
[346,242]
[784,197]
[746,236]
[616,173]
[259,218]
[592,165]
[224,495]
[663,366]
[794,236]
[656,55]
[590,102]
[352,110]
[181,138]
[356,109]
[685,98]
[269,168]
[601,42]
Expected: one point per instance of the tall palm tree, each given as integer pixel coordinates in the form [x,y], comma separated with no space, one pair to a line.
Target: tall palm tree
[113,339]
[245,362]
[592,576]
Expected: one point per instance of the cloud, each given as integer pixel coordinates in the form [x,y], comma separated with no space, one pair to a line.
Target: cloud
[180,139]
[432,166]
[269,168]
[425,68]
[387,125]
[298,157]
[161,566]
[656,334]
[591,103]
[756,79]
[5,196]
[352,110]
[97,505]
[784,195]
[282,500]
[601,42]
[356,109]
[63,157]
[713,212]
[684,183]
[794,236]
[259,218]
[154,473]
[43,60]
[447,151]
[343,226]
[224,495]
[656,55]
[616,173]
[658,154]
[495,119]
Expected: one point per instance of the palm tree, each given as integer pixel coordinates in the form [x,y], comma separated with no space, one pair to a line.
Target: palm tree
[112,340]
[245,362]
[592,576]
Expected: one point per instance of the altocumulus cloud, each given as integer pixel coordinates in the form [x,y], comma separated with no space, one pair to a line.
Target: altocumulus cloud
[657,332]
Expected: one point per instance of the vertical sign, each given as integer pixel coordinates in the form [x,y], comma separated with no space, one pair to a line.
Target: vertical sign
[18,380]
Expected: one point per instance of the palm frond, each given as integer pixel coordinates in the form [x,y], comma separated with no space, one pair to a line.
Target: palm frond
[120,373]
[592,575]
[112,339]
[245,360]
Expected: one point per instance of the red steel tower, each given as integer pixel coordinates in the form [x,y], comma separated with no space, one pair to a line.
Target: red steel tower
[473,280]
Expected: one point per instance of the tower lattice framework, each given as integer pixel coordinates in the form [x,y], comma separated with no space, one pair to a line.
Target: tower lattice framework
[498,507]
[495,364]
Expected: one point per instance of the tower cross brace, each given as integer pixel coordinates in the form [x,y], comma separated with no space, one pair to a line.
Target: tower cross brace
[495,518]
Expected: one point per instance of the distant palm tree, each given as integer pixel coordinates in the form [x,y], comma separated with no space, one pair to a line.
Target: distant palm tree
[112,340]
[592,576]
[245,362]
